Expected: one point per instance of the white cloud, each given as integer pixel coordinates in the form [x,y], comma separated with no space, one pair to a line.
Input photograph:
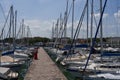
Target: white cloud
[117,14]
[97,15]
[44,28]
[40,27]
[82,30]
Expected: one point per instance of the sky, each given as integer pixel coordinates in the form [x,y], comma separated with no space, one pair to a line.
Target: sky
[39,15]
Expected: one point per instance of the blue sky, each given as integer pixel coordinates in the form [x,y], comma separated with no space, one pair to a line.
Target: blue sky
[40,14]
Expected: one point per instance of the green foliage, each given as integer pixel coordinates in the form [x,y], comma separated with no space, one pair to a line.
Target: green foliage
[98,40]
[27,40]
[38,39]
[9,40]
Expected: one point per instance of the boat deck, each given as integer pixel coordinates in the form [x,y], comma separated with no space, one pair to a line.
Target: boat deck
[44,68]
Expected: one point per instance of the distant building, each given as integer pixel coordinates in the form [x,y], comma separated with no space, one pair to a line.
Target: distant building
[39,44]
[65,40]
[114,41]
[81,41]
[49,44]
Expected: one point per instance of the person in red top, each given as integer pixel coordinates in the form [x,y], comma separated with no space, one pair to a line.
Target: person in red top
[36,54]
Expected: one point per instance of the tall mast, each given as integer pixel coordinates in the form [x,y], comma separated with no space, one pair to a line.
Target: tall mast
[27,36]
[57,24]
[91,21]
[53,30]
[101,31]
[66,16]
[13,26]
[15,23]
[87,19]
[56,32]
[10,21]
[72,20]
[22,28]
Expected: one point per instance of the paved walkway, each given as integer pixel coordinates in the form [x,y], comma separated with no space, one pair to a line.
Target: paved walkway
[44,68]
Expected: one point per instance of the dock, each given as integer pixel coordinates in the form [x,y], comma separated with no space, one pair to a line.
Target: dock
[44,68]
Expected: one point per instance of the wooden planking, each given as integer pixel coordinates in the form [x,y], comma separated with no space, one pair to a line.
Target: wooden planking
[44,68]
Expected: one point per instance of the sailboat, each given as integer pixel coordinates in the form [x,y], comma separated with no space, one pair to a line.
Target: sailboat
[7,73]
[8,56]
